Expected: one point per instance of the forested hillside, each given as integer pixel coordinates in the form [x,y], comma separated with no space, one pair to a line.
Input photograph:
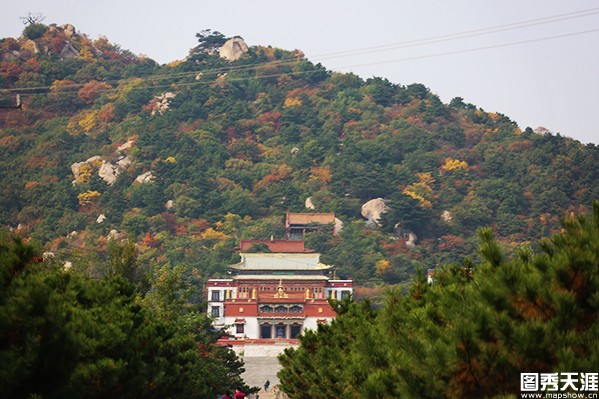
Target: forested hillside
[469,333]
[187,158]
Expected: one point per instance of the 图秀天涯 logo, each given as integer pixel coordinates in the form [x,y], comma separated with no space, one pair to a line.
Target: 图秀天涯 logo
[560,382]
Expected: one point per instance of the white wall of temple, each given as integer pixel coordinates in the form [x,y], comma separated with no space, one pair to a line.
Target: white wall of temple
[216,310]
[277,261]
[251,329]
[216,302]
[337,292]
[219,294]
[311,323]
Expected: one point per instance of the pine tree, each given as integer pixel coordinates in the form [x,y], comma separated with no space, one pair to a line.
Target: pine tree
[471,333]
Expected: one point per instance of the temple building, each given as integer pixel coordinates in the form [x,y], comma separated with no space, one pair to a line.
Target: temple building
[276,294]
[298,224]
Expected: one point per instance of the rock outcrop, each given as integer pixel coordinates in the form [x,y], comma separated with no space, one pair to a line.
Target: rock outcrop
[126,146]
[446,216]
[411,239]
[123,162]
[160,104]
[68,30]
[372,211]
[68,52]
[233,49]
[109,172]
[114,235]
[78,168]
[145,177]
[309,204]
[338,226]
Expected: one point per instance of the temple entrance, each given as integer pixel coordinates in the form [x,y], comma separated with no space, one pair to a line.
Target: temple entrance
[265,331]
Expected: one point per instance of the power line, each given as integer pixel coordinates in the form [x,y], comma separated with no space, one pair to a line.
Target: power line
[462,35]
[470,50]
[414,43]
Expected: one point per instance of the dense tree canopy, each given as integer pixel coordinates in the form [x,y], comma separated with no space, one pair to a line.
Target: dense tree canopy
[470,333]
[108,140]
[64,334]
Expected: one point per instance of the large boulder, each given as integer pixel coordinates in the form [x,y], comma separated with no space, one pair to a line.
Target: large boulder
[123,162]
[94,162]
[446,216]
[411,239]
[109,172]
[372,211]
[160,104]
[233,49]
[147,177]
[126,146]
[338,226]
[68,30]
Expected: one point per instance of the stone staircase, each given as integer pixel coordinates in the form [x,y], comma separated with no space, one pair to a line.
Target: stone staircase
[261,364]
[260,369]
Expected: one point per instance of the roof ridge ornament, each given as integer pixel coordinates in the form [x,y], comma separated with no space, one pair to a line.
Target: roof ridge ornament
[281,291]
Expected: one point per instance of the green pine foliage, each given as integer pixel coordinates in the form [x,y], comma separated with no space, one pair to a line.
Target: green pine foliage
[66,335]
[471,332]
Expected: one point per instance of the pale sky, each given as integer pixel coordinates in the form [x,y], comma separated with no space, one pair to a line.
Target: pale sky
[535,61]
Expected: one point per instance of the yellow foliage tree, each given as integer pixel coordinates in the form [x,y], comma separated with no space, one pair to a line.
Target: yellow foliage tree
[86,53]
[381,266]
[85,173]
[423,201]
[421,189]
[87,197]
[88,120]
[84,121]
[175,63]
[454,164]
[292,102]
[211,234]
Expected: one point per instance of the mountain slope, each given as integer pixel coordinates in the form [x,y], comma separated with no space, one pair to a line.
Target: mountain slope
[186,158]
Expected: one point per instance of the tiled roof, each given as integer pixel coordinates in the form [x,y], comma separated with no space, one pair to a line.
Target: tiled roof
[277,246]
[307,218]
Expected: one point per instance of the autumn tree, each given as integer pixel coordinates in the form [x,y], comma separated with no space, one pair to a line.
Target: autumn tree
[472,331]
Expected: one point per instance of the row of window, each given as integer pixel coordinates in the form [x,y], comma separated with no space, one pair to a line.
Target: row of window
[216,295]
[215,310]
[281,309]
